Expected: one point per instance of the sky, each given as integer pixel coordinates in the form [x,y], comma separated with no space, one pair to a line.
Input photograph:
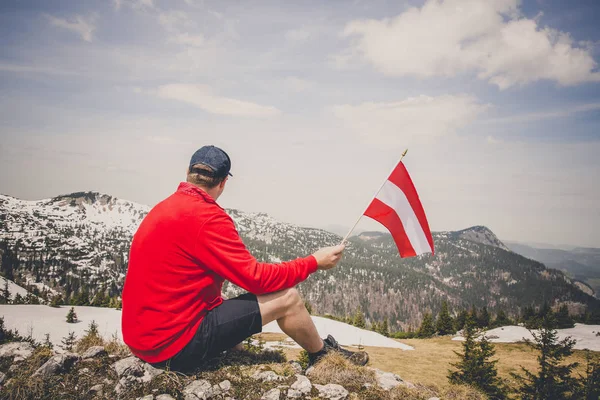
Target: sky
[498,103]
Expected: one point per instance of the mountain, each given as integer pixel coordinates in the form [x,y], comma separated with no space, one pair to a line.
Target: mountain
[580,263]
[78,245]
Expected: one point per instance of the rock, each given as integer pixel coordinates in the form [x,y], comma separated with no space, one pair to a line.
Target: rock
[97,388]
[267,376]
[150,373]
[94,351]
[147,397]
[296,366]
[272,394]
[332,391]
[434,398]
[13,368]
[18,350]
[293,394]
[309,370]
[221,388]
[387,380]
[130,366]
[57,363]
[302,385]
[84,371]
[2,377]
[164,397]
[198,390]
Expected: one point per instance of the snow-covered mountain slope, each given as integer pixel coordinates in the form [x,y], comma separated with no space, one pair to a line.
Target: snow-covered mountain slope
[78,245]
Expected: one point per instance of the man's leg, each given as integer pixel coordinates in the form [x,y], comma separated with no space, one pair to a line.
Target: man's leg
[287,308]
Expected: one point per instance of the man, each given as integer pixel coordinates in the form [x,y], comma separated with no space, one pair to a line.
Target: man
[185,248]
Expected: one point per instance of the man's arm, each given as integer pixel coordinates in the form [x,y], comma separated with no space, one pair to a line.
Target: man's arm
[220,248]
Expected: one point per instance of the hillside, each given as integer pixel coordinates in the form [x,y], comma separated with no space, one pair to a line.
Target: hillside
[580,263]
[78,245]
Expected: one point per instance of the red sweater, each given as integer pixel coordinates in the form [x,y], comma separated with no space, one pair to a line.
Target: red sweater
[180,256]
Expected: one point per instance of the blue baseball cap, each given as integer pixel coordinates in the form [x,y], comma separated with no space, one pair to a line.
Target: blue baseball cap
[214,158]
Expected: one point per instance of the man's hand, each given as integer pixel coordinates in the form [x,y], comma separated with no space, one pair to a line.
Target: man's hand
[328,257]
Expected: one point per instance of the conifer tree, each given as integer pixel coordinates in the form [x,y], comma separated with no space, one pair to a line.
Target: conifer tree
[426,330]
[459,322]
[444,324]
[68,342]
[47,343]
[475,367]
[92,329]
[71,316]
[384,329]
[590,383]
[501,319]
[359,319]
[5,294]
[56,301]
[375,327]
[484,318]
[18,299]
[553,380]
[563,319]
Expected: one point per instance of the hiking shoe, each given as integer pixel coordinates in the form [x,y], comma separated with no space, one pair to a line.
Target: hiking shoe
[331,345]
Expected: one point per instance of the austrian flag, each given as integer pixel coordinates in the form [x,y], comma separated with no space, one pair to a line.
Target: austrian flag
[397,207]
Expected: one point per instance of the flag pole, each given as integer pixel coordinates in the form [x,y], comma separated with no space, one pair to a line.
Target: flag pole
[376,193]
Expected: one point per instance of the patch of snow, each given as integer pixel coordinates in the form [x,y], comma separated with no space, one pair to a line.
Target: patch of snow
[346,335]
[41,319]
[585,335]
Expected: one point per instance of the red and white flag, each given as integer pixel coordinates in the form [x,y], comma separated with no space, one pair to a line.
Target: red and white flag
[397,207]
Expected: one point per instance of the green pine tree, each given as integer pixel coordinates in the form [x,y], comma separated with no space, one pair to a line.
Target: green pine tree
[384,329]
[484,318]
[71,316]
[501,319]
[18,299]
[553,380]
[476,368]
[5,294]
[563,319]
[445,323]
[47,343]
[460,319]
[359,319]
[426,330]
[590,383]
[56,301]
[68,342]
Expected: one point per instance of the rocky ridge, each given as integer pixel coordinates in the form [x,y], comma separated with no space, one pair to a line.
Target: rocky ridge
[40,373]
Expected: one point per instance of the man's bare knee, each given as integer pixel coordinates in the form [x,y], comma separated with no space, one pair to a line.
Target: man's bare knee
[279,304]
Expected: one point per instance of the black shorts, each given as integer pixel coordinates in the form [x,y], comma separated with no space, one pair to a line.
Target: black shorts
[221,329]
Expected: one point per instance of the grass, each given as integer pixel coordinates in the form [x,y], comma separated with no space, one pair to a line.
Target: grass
[429,363]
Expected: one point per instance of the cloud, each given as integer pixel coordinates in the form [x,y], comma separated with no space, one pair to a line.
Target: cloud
[297,35]
[188,40]
[538,116]
[298,85]
[201,96]
[489,38]
[134,4]
[35,69]
[419,118]
[174,20]
[84,27]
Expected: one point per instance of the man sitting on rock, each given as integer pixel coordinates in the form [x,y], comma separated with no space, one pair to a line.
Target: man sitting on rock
[185,248]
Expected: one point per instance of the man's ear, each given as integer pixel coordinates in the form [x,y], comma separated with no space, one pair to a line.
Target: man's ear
[222,185]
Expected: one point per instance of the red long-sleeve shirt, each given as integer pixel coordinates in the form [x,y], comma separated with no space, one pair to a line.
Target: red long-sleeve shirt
[180,256]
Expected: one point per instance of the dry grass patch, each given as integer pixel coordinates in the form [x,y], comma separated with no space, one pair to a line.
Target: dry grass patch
[334,368]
